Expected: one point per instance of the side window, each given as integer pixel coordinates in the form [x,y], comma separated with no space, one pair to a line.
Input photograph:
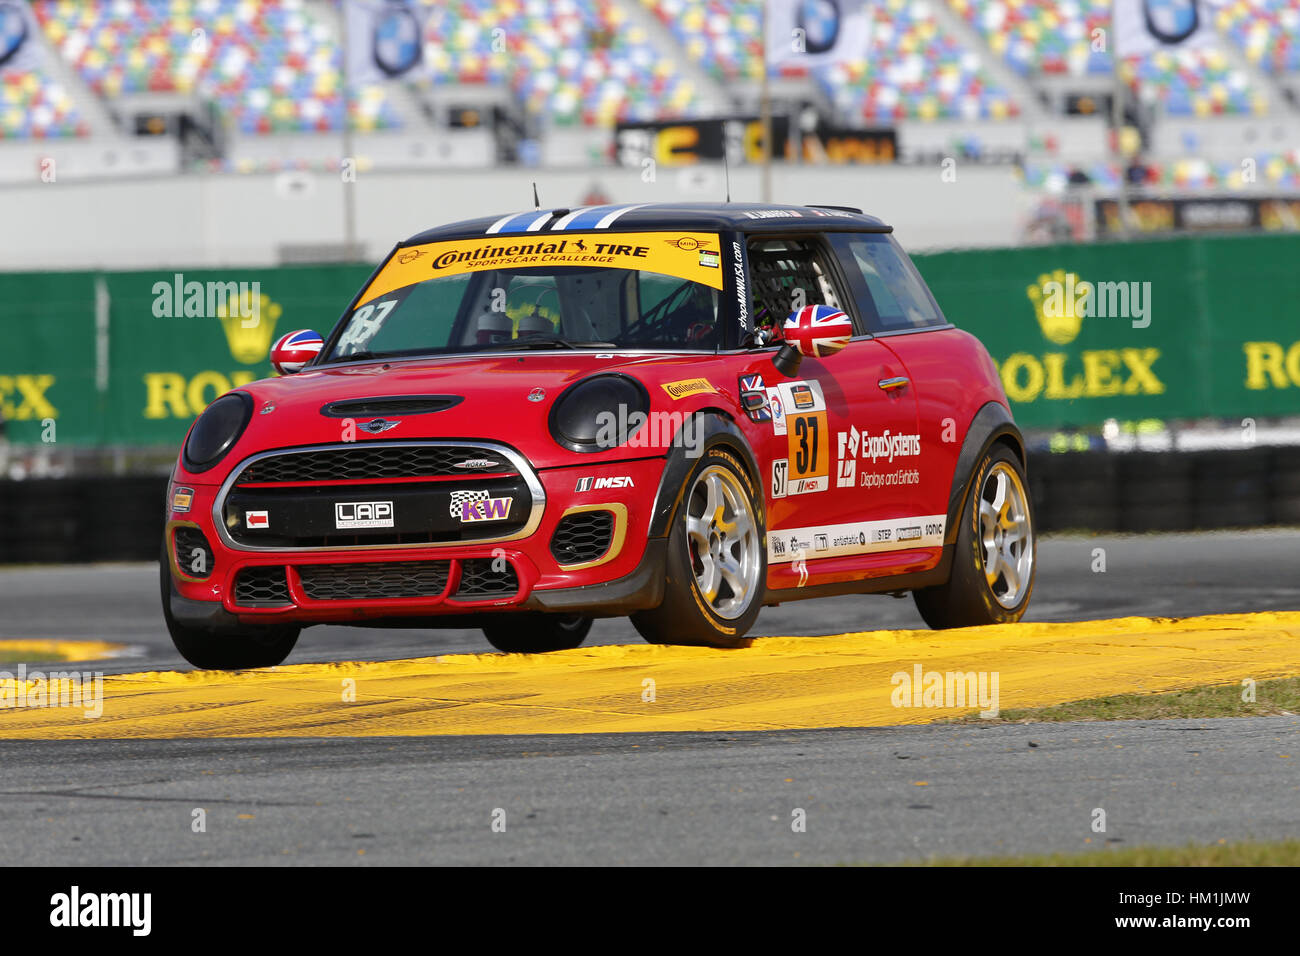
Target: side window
[787,274]
[891,293]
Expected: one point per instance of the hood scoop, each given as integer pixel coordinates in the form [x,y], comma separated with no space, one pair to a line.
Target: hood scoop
[391,405]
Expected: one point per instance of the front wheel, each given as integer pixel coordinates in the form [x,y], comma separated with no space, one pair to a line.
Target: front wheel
[993,561]
[537,633]
[223,649]
[716,569]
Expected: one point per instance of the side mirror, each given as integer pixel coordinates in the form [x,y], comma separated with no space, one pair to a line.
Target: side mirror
[293,351]
[815,331]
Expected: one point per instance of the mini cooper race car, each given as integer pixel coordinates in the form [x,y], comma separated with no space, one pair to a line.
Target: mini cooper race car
[678,413]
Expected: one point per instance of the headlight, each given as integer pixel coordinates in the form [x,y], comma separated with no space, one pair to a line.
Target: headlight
[217,430]
[599,413]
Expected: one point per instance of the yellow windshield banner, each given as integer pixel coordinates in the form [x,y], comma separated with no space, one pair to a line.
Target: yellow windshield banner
[685,255]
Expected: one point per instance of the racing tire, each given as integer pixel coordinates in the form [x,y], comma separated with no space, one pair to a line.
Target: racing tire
[715,573]
[537,633]
[995,556]
[222,649]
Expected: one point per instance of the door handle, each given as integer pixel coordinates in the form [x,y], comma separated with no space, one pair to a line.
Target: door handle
[889,384]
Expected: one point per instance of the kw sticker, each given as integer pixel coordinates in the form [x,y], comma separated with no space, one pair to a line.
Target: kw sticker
[471,506]
[858,537]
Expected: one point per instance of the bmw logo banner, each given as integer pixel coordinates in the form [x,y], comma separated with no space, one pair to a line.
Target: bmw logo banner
[1145,26]
[815,32]
[385,39]
[20,45]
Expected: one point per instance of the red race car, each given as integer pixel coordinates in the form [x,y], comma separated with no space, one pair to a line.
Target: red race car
[679,413]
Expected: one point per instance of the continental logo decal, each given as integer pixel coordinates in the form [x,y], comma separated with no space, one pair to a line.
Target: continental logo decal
[691,386]
[645,251]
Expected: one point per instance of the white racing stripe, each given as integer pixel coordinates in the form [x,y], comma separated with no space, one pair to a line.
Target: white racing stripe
[605,223]
[563,222]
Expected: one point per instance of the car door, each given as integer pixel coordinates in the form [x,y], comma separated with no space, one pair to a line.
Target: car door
[843,430]
[898,309]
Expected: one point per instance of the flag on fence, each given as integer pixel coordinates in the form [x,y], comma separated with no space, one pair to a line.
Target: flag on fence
[1144,26]
[814,32]
[20,45]
[385,39]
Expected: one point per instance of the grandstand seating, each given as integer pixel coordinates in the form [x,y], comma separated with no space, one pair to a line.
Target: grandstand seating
[32,106]
[273,66]
[1268,31]
[267,65]
[1272,171]
[1046,37]
[570,61]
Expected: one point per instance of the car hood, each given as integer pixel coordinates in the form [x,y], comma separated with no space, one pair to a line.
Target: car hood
[494,392]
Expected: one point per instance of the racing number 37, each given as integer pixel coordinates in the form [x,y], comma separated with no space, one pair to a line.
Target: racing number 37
[809,450]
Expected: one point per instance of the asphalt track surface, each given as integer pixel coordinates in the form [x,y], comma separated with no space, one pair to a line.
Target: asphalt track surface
[869,795]
[1174,575]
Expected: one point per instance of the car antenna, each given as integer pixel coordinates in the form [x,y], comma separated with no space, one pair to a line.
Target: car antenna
[726,169]
[537,203]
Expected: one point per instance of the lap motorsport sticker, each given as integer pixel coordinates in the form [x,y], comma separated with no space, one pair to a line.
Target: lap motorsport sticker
[799,413]
[856,537]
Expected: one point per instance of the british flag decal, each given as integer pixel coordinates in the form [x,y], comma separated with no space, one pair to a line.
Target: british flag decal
[818,330]
[753,398]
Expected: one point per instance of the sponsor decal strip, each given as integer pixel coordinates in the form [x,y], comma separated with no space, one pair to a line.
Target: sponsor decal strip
[857,537]
[643,251]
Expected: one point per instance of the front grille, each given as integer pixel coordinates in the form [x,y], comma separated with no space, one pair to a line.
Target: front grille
[397,579]
[388,461]
[583,536]
[263,586]
[486,577]
[193,553]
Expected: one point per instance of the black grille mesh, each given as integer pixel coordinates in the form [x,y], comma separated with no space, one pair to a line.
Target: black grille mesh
[581,537]
[350,464]
[397,579]
[483,577]
[187,540]
[261,586]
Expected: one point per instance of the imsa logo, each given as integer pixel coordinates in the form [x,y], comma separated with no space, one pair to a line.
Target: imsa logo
[600,484]
[363,514]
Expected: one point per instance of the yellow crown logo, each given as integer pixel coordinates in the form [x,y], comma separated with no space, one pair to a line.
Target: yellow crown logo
[1053,298]
[249,322]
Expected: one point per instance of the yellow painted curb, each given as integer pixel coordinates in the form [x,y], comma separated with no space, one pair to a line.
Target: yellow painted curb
[779,683]
[57,649]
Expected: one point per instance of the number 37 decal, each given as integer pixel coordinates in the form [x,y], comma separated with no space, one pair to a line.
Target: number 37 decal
[807,469]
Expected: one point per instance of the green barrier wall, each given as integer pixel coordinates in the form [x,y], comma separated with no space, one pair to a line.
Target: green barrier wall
[88,353]
[1223,338]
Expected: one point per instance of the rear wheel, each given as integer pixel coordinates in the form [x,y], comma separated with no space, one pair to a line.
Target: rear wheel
[221,648]
[994,558]
[716,569]
[537,633]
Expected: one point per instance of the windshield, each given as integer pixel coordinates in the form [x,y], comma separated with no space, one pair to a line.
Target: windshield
[554,293]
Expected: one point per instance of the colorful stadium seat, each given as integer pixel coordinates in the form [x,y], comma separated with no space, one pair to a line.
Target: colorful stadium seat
[267,65]
[570,61]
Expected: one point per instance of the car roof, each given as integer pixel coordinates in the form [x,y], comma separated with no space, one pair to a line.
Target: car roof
[633,217]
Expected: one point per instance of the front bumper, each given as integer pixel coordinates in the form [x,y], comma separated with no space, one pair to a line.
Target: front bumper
[361,584]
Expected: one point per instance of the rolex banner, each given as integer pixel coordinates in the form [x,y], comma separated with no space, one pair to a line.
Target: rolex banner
[130,358]
[1183,328]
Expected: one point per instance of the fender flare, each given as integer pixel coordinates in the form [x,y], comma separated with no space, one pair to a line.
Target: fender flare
[717,428]
[991,424]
